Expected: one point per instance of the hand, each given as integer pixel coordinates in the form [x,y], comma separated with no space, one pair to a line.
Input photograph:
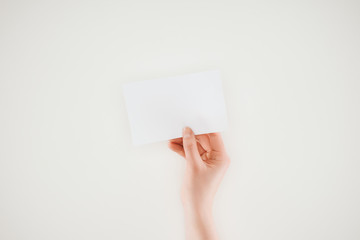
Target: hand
[206,164]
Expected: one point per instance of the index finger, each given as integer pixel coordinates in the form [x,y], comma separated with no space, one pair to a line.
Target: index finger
[177,140]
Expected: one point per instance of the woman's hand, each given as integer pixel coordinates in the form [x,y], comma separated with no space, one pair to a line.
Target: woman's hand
[206,164]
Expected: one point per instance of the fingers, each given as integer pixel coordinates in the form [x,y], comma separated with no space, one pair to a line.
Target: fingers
[176,144]
[177,140]
[204,141]
[177,148]
[200,148]
[190,145]
[216,142]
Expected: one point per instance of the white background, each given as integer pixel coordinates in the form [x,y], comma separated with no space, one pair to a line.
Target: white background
[291,76]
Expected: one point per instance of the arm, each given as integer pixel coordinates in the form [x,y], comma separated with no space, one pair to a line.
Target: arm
[206,164]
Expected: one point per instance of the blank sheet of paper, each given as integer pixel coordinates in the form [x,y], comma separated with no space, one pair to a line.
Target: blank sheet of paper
[159,109]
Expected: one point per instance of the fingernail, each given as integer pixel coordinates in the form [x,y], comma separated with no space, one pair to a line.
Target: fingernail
[186,132]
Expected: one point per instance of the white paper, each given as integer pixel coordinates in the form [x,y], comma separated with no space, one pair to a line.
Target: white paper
[159,109]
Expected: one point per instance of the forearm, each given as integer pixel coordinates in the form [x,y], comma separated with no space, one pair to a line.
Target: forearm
[199,223]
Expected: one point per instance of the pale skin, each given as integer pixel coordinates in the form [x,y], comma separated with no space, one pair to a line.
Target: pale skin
[206,164]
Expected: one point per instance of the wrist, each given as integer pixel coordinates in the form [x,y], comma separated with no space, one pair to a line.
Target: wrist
[198,208]
[197,201]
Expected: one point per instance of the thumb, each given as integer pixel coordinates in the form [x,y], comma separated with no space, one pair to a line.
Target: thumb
[190,145]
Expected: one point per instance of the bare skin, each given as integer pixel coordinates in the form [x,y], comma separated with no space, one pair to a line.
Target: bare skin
[206,164]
